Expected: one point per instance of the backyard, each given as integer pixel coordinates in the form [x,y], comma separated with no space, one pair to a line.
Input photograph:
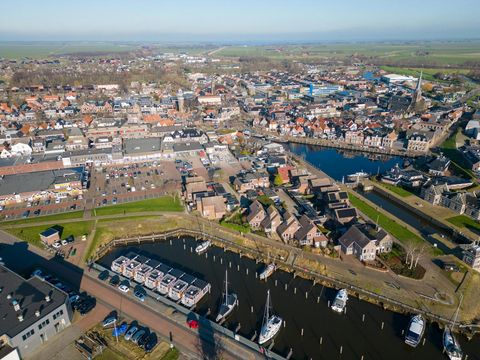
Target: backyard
[395,260]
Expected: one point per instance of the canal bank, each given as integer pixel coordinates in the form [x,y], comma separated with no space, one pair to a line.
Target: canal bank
[339,164]
[311,330]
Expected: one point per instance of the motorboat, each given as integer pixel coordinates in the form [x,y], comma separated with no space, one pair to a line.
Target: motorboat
[415,330]
[269,269]
[340,302]
[203,246]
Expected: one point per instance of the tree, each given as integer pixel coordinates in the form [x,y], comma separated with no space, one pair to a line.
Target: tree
[278,180]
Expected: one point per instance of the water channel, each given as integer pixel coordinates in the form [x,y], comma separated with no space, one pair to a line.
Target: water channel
[303,306]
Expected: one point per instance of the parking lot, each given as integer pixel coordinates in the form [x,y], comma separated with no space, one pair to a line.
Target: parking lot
[42,207]
[116,184]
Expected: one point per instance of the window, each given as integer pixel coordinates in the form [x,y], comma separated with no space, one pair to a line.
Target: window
[28,334]
[43,324]
[57,314]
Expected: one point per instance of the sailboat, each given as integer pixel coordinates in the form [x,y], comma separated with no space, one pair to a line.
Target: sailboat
[271,323]
[228,304]
[450,343]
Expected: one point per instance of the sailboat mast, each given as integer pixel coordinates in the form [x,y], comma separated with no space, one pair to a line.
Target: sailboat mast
[226,286]
[267,308]
[456,312]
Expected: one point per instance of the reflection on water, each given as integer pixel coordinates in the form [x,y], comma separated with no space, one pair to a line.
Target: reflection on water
[301,304]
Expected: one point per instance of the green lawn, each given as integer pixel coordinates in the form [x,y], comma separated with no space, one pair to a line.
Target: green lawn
[396,189]
[55,217]
[31,233]
[403,234]
[172,354]
[165,203]
[464,221]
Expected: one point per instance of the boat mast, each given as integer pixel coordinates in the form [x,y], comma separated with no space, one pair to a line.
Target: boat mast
[267,306]
[456,312]
[226,287]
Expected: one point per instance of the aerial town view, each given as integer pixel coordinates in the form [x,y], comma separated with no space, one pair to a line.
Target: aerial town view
[253,180]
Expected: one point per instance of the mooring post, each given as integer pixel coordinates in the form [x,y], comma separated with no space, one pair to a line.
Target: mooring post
[383,324]
[363,320]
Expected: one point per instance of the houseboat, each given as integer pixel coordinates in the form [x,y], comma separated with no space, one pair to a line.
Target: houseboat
[340,302]
[134,265]
[168,281]
[157,274]
[195,293]
[269,269]
[120,263]
[142,273]
[180,286]
[415,331]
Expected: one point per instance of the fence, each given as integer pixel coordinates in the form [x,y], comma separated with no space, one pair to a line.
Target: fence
[179,232]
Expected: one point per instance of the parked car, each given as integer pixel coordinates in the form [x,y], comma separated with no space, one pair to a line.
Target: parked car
[56,244]
[140,295]
[124,288]
[138,335]
[115,280]
[87,305]
[104,275]
[130,332]
[26,214]
[150,343]
[109,321]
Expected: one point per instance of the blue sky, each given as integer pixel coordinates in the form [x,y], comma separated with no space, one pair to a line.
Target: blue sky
[238,20]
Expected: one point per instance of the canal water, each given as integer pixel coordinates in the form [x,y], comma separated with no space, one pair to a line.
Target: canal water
[303,306]
[339,163]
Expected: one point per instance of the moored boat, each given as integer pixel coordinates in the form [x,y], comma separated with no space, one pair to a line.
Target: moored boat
[415,330]
[269,269]
[451,345]
[340,302]
[228,304]
[271,323]
[203,246]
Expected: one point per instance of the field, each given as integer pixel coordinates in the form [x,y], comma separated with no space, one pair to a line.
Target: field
[31,234]
[56,217]
[165,203]
[421,53]
[35,50]
[463,221]
[396,189]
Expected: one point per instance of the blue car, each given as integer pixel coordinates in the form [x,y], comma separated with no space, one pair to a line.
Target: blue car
[118,331]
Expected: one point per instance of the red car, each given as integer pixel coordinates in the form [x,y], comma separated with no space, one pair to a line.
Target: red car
[192,324]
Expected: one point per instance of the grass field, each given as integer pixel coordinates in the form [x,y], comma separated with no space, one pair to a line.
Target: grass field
[35,50]
[396,189]
[398,231]
[56,217]
[165,203]
[464,221]
[31,233]
[421,53]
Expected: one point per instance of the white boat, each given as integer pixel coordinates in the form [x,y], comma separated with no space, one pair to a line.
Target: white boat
[269,269]
[340,302]
[415,331]
[450,344]
[271,323]
[228,304]
[358,175]
[203,246]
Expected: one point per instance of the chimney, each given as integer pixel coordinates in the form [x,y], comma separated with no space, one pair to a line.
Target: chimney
[20,317]
[37,313]
[47,298]
[16,305]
